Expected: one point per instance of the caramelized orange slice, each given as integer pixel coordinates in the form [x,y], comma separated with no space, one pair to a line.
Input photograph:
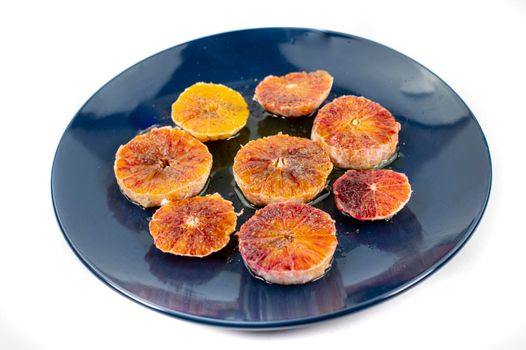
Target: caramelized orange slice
[163,163]
[288,243]
[281,167]
[371,194]
[210,111]
[195,226]
[356,132]
[295,94]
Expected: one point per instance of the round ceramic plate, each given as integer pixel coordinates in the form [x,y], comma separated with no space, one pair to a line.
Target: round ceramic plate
[442,150]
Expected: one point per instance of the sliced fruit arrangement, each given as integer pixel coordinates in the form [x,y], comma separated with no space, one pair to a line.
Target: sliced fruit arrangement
[196,226]
[288,243]
[281,167]
[371,194]
[210,111]
[163,163]
[295,94]
[356,132]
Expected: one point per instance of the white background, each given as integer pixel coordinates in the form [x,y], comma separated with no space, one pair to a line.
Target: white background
[54,56]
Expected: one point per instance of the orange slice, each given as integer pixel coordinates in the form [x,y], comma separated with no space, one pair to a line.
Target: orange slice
[356,132]
[210,111]
[371,194]
[163,163]
[281,167]
[295,94]
[195,226]
[288,243]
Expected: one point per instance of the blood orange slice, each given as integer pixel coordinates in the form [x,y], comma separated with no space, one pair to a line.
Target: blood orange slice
[281,167]
[356,132]
[288,243]
[196,226]
[371,194]
[295,94]
[210,111]
[163,163]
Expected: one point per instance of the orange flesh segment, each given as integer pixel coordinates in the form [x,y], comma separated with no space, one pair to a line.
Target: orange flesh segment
[356,122]
[287,237]
[210,111]
[282,167]
[359,126]
[371,194]
[295,94]
[161,161]
[195,226]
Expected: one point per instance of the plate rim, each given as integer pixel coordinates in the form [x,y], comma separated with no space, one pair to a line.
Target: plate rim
[296,322]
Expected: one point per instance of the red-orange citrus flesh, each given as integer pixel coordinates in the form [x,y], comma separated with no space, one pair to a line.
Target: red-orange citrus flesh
[196,226]
[295,94]
[288,243]
[280,168]
[162,164]
[371,194]
[356,132]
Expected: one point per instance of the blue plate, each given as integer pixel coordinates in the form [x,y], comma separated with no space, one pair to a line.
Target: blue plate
[442,150]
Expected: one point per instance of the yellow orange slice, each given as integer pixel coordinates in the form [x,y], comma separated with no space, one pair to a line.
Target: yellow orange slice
[281,167]
[196,226]
[288,243]
[164,163]
[371,194]
[210,111]
[356,132]
[295,94]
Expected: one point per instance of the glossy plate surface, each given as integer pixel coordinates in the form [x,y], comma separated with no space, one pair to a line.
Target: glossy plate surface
[442,151]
